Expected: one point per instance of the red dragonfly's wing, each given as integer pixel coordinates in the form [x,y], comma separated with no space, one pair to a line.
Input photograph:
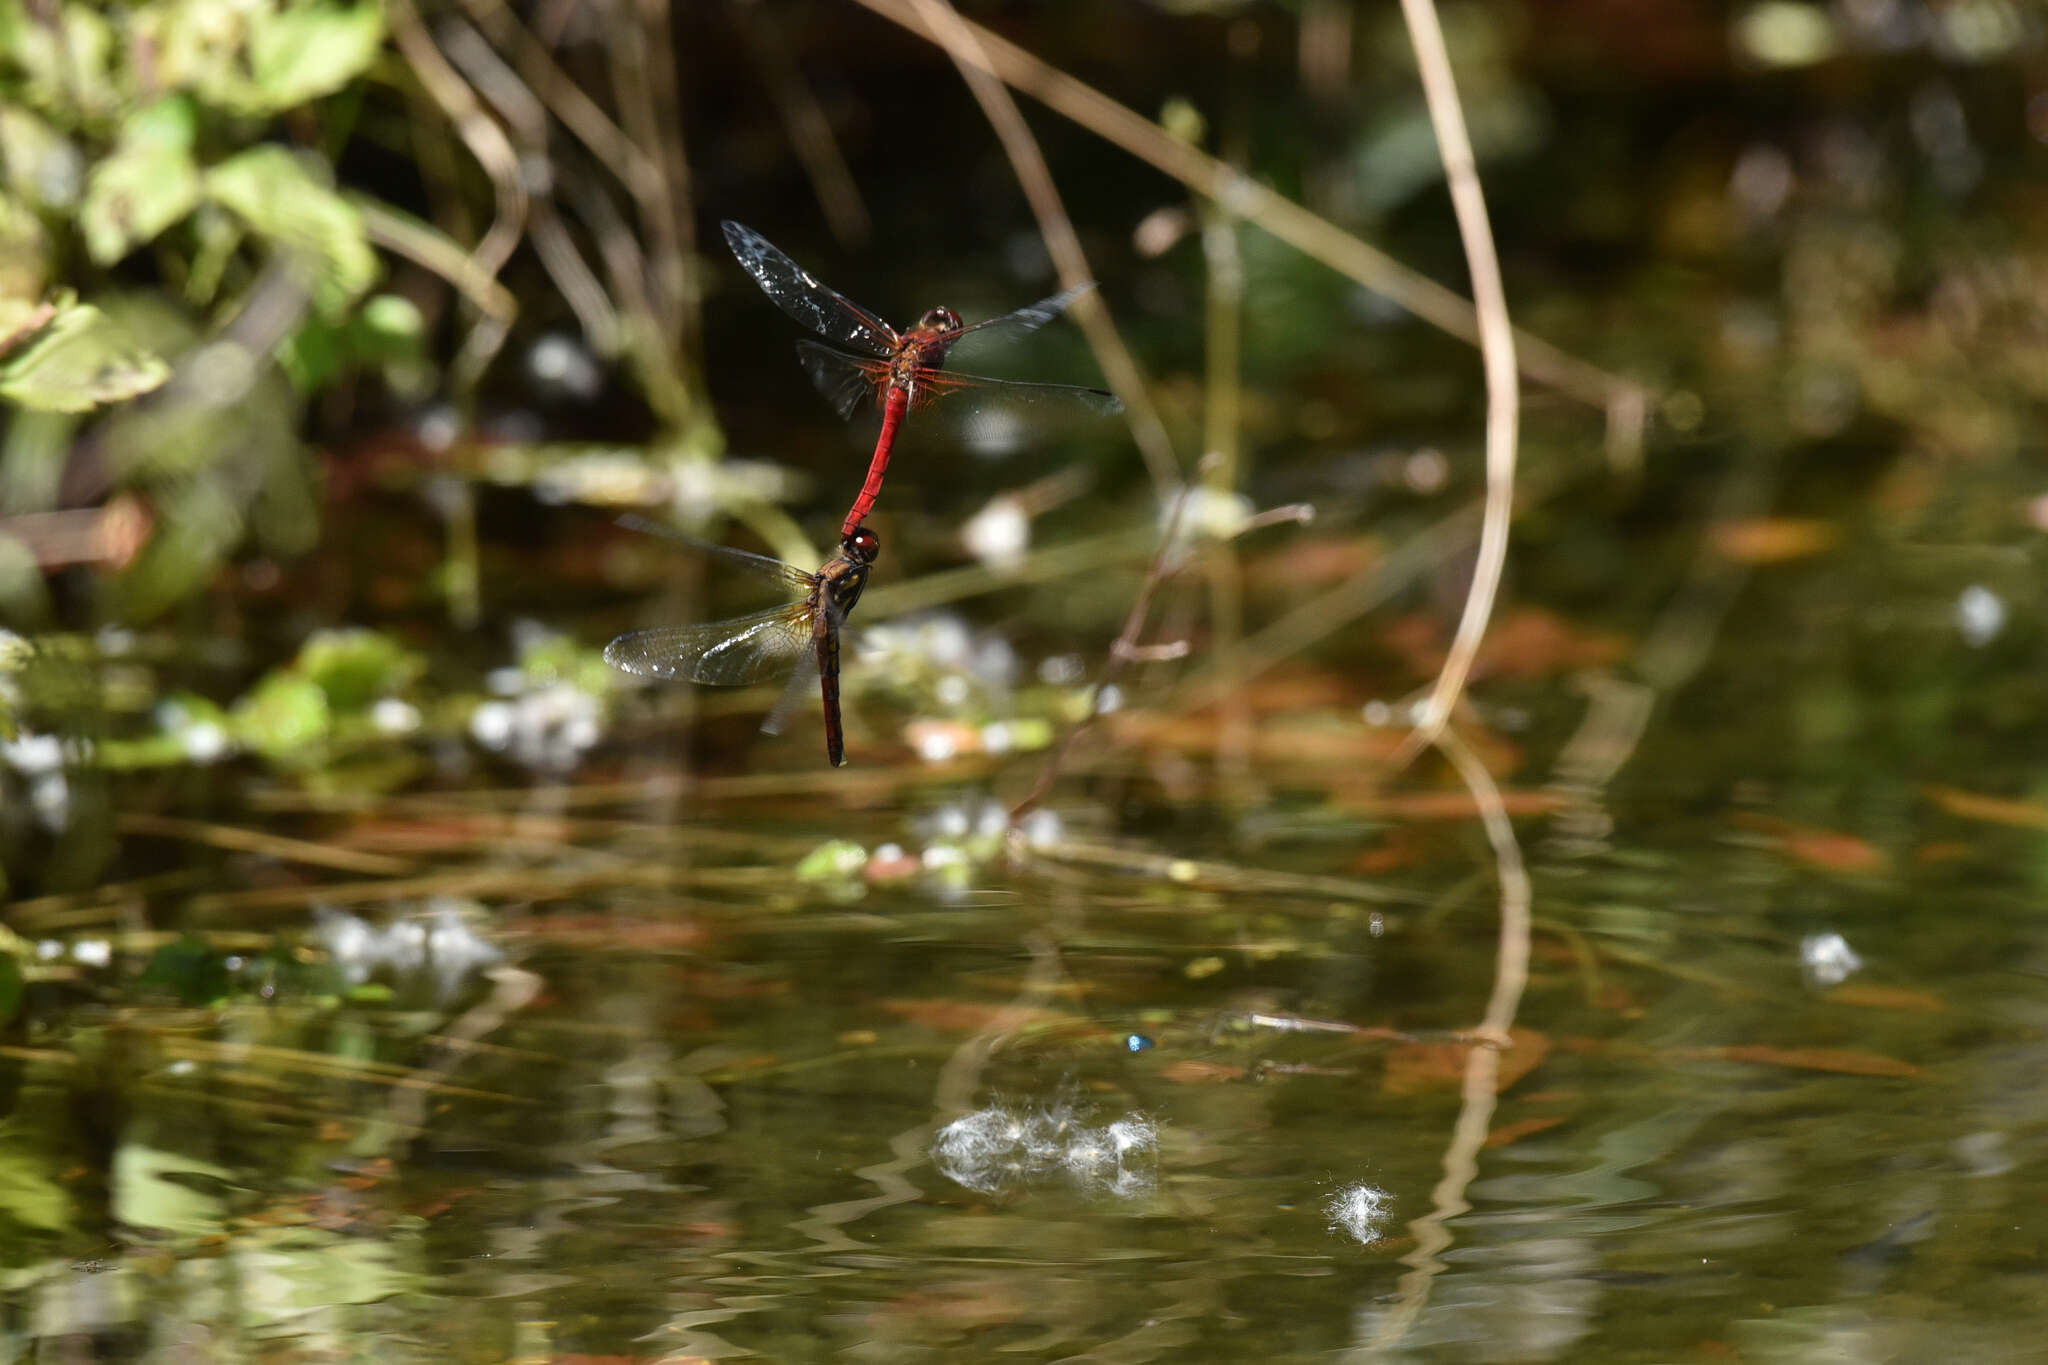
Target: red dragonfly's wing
[825,311]
[989,392]
[730,653]
[979,338]
[1001,416]
[846,380]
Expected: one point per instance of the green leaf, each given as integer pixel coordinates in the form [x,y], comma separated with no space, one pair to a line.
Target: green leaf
[285,714]
[81,359]
[188,968]
[24,248]
[387,333]
[273,192]
[168,1192]
[356,667]
[146,184]
[30,1192]
[307,50]
[15,653]
[22,318]
[835,860]
[194,45]
[65,53]
[39,163]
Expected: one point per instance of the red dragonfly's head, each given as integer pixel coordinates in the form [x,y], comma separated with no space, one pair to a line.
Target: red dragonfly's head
[861,546]
[939,320]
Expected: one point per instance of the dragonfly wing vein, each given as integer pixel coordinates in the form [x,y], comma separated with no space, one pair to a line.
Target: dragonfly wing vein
[980,337]
[844,380]
[798,293]
[726,653]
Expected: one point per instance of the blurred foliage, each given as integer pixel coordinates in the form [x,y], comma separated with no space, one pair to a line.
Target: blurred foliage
[189,969]
[10,980]
[66,356]
[116,128]
[137,165]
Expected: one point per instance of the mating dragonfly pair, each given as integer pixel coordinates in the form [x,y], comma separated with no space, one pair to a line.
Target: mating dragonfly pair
[898,372]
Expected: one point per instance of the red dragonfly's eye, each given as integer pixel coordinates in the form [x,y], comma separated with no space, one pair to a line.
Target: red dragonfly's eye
[940,319]
[863,545]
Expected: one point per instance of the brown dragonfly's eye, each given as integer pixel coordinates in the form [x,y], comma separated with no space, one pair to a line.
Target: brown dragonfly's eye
[863,545]
[940,320]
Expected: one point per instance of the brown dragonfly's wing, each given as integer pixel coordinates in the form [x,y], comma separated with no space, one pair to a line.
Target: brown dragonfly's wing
[796,292]
[820,666]
[787,576]
[980,338]
[803,685]
[847,381]
[729,653]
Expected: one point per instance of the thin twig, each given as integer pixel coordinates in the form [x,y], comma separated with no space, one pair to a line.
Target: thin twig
[527,117]
[1121,652]
[426,245]
[493,151]
[626,269]
[643,70]
[663,84]
[269,845]
[1497,351]
[962,42]
[580,114]
[1300,228]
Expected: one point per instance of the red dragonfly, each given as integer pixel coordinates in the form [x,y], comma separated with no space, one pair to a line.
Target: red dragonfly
[746,649]
[899,370]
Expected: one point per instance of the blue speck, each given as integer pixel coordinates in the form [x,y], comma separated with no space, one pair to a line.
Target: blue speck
[1138,1042]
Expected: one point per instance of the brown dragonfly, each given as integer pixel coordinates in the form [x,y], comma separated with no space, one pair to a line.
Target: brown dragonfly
[803,635]
[900,370]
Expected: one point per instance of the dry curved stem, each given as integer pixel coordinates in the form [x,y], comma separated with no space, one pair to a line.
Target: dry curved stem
[643,71]
[493,151]
[962,42]
[526,116]
[1497,352]
[428,247]
[1482,1064]
[1619,397]
[566,100]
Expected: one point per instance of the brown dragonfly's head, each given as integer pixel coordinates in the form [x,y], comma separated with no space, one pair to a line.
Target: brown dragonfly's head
[940,319]
[861,546]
